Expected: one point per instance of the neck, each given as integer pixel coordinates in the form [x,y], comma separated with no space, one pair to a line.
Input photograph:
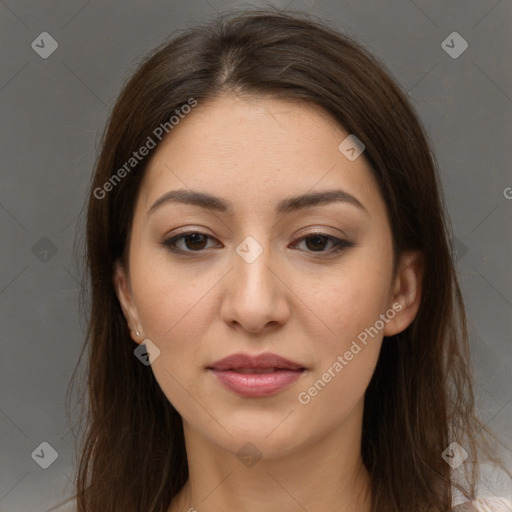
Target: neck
[327,474]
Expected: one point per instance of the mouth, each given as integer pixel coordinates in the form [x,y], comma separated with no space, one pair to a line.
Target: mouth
[256,376]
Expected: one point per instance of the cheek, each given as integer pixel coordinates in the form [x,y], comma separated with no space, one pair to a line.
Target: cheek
[176,310]
[347,345]
[350,305]
[169,297]
[331,395]
[171,307]
[346,302]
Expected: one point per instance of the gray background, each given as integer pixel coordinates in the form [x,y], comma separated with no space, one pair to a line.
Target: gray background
[53,112]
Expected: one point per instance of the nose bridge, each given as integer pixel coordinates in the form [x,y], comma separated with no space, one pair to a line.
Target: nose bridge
[251,266]
[254,297]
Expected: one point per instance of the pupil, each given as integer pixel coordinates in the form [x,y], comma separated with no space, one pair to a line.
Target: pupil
[317,238]
[195,240]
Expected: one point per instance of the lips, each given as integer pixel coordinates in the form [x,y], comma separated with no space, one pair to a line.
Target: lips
[263,363]
[256,376]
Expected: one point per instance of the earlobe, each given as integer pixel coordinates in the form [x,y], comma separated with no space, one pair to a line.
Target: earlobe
[406,292]
[124,295]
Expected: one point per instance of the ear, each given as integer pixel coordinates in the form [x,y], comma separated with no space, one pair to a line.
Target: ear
[124,294]
[406,296]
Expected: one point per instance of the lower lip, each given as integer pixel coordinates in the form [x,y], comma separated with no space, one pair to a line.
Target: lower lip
[257,384]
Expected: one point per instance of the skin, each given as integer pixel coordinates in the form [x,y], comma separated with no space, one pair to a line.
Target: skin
[298,299]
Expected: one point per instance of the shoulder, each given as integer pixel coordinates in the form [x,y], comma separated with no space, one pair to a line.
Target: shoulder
[485,505]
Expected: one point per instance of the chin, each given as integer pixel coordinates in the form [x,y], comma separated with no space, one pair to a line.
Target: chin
[272,437]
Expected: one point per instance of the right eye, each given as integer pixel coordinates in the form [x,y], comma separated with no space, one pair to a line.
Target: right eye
[194,242]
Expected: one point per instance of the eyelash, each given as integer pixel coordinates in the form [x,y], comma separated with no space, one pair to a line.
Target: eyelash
[339,244]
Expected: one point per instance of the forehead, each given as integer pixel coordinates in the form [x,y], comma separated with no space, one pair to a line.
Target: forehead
[255,151]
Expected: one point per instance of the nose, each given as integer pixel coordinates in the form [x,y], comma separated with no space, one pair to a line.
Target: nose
[255,297]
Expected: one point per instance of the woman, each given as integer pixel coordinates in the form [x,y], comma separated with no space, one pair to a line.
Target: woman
[276,321]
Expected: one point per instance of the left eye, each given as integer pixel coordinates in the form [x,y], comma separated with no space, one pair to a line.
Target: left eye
[195,242]
[320,240]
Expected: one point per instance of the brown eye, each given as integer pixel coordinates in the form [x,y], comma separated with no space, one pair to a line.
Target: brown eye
[194,241]
[316,242]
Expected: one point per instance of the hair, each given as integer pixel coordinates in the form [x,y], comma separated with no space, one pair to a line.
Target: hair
[132,455]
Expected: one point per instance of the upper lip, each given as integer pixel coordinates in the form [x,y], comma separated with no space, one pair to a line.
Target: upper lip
[246,361]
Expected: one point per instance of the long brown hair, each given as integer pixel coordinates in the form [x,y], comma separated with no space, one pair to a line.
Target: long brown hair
[420,399]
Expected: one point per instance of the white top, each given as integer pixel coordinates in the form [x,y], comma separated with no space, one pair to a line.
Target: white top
[485,505]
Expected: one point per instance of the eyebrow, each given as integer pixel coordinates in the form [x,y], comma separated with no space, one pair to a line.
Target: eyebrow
[288,205]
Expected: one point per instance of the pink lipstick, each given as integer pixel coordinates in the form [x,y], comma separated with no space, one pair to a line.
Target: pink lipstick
[256,376]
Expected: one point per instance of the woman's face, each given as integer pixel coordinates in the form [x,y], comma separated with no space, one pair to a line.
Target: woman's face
[263,276]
